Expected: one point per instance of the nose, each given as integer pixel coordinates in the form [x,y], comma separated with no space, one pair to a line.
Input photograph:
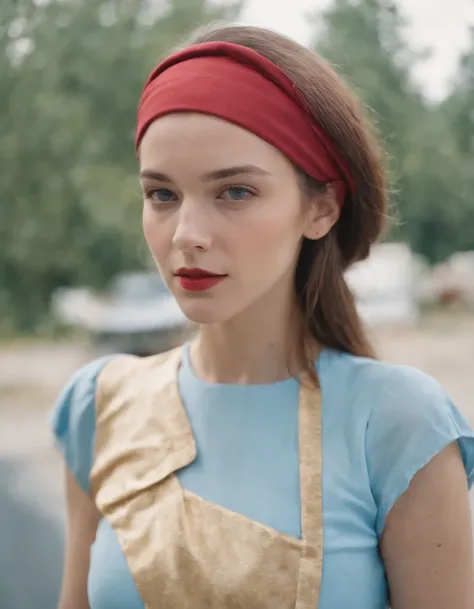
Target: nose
[191,232]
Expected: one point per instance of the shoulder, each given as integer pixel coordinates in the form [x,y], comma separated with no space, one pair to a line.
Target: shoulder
[127,375]
[408,418]
[106,376]
[369,374]
[379,387]
[72,419]
[78,395]
[88,393]
[399,397]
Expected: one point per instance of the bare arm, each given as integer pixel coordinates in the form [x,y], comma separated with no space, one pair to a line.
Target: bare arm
[82,520]
[427,541]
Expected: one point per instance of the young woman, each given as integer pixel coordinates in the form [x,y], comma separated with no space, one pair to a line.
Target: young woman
[273,462]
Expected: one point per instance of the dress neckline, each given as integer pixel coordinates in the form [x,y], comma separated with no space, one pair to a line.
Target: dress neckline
[187,369]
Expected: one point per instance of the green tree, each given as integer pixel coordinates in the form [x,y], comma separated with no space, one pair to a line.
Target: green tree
[446,223]
[365,39]
[459,107]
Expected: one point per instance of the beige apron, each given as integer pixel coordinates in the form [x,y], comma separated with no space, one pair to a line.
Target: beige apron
[183,551]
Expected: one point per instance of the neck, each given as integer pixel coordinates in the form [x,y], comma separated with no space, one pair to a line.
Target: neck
[259,346]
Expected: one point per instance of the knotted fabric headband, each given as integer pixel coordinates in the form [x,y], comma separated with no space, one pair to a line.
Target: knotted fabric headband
[237,84]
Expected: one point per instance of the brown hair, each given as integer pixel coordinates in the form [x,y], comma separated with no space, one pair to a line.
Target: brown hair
[330,314]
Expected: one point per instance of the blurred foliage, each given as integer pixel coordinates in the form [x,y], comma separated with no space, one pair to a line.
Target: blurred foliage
[430,146]
[71,72]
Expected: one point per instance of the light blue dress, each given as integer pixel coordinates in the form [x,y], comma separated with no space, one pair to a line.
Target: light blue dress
[380,425]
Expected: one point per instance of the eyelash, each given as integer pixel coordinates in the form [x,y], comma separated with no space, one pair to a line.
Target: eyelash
[250,193]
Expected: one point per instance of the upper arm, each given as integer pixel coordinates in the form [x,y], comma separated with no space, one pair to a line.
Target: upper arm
[73,424]
[82,520]
[412,421]
[420,459]
[427,540]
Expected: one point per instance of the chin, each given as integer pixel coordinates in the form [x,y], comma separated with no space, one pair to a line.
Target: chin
[203,313]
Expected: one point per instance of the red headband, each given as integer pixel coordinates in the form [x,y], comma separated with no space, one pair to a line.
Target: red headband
[239,85]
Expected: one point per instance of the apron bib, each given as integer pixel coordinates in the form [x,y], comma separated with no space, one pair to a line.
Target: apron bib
[184,552]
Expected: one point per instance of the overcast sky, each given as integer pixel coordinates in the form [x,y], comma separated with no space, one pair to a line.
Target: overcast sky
[441,25]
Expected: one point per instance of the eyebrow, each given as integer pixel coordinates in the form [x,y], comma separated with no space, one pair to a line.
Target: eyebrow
[218,174]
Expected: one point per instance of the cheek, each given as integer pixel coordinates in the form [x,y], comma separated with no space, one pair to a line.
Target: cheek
[277,234]
[155,233]
[147,224]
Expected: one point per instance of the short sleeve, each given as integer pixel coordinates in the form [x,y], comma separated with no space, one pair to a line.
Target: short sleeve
[73,421]
[412,421]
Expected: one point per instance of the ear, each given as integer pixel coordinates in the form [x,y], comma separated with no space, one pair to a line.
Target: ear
[322,214]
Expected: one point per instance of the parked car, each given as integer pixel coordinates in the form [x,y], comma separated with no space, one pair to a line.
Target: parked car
[138,315]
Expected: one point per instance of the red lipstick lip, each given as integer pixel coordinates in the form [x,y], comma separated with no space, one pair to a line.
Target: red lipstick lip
[196,273]
[197,280]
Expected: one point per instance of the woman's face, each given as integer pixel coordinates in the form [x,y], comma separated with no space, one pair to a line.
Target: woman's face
[223,215]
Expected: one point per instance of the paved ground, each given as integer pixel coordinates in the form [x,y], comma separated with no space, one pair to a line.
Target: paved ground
[31,545]
[31,474]
[31,497]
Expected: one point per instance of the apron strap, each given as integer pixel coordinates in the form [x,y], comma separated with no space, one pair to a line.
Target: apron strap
[310,449]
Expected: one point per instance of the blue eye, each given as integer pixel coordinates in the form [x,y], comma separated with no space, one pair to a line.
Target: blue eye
[161,195]
[237,193]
